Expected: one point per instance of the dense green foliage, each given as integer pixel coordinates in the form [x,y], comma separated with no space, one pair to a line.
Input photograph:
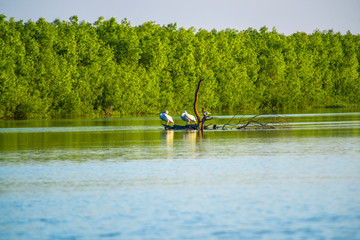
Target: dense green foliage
[72,68]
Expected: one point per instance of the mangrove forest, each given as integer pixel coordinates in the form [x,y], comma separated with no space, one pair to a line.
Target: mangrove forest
[75,68]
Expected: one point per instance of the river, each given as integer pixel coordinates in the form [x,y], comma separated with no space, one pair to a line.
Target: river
[127,178]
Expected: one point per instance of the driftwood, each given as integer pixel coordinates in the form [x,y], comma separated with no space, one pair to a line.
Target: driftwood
[260,121]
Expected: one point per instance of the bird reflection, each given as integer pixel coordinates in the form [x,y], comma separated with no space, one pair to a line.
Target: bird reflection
[190,136]
[168,136]
[193,140]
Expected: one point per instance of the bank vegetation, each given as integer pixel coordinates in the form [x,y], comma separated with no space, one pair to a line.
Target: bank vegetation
[75,68]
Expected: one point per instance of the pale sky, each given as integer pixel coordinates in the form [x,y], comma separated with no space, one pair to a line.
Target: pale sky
[287,16]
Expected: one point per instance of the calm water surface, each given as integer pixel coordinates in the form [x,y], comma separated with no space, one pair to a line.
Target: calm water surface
[129,179]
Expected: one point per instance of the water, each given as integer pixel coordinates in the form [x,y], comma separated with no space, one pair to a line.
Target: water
[130,179]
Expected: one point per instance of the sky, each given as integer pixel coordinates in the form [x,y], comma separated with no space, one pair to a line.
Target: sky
[287,16]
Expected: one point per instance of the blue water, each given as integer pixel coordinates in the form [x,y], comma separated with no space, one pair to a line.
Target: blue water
[130,179]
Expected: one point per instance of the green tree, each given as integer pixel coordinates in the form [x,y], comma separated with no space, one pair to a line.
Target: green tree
[74,68]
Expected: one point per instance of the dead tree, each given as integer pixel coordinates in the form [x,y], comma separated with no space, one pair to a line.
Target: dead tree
[200,121]
[263,121]
[206,117]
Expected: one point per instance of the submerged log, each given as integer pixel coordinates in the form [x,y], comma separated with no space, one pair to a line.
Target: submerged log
[182,127]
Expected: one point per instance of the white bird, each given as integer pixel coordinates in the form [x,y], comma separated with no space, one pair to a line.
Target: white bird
[165,117]
[187,117]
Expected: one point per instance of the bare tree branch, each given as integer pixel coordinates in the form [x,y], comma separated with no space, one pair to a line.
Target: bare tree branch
[256,121]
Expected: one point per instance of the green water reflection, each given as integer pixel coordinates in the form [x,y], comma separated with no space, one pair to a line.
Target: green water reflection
[146,134]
